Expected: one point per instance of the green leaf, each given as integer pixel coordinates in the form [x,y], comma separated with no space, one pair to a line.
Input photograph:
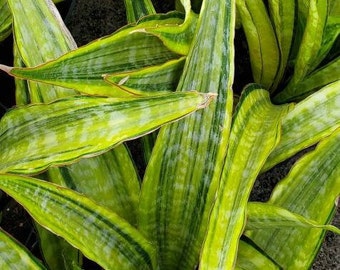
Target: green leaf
[263,48]
[5,20]
[313,119]
[254,133]
[37,136]
[58,254]
[100,234]
[151,80]
[43,25]
[310,189]
[138,8]
[182,176]
[82,69]
[282,14]
[15,256]
[249,258]
[109,179]
[265,215]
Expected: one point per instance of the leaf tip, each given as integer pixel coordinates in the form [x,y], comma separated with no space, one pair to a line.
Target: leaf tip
[5,68]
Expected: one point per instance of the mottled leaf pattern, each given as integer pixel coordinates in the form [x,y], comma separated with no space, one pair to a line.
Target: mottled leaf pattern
[310,190]
[311,120]
[99,233]
[184,170]
[250,143]
[37,136]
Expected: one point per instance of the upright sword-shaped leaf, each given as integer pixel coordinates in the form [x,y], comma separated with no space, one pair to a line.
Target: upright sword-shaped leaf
[251,141]
[183,173]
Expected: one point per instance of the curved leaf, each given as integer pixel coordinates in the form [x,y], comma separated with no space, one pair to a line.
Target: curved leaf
[254,133]
[265,215]
[313,119]
[149,81]
[101,235]
[310,189]
[14,256]
[263,47]
[34,137]
[5,20]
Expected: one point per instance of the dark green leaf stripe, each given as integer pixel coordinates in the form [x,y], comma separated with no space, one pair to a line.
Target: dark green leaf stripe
[262,42]
[15,256]
[310,189]
[43,25]
[249,258]
[254,133]
[135,9]
[110,179]
[149,81]
[183,173]
[100,234]
[265,215]
[82,69]
[5,20]
[311,120]
[34,137]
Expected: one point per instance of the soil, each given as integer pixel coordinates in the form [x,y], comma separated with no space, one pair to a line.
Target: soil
[89,20]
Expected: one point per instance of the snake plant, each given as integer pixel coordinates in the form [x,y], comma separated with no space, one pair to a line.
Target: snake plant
[64,159]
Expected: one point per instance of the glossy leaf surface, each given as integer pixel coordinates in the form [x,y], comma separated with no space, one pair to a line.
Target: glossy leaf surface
[183,173]
[249,146]
[313,119]
[100,234]
[36,136]
[310,189]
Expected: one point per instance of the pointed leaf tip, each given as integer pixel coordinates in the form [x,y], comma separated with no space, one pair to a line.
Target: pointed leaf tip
[5,68]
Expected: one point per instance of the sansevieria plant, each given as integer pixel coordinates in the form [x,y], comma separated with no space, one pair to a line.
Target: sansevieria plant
[63,156]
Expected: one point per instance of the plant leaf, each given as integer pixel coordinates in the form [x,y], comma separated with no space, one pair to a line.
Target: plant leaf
[14,256]
[249,258]
[263,48]
[265,215]
[250,143]
[149,81]
[51,32]
[313,119]
[82,69]
[182,176]
[310,189]
[100,234]
[282,14]
[34,137]
[109,179]
[138,8]
[5,20]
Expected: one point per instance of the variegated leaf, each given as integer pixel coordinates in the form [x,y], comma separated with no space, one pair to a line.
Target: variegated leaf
[182,176]
[149,81]
[263,48]
[265,215]
[313,119]
[254,133]
[100,234]
[310,189]
[138,8]
[37,136]
[14,256]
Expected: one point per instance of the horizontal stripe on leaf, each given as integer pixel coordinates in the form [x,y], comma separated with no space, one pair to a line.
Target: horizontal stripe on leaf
[15,256]
[100,234]
[34,137]
[150,80]
[313,119]
[310,190]
[255,131]
[82,69]
[265,215]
